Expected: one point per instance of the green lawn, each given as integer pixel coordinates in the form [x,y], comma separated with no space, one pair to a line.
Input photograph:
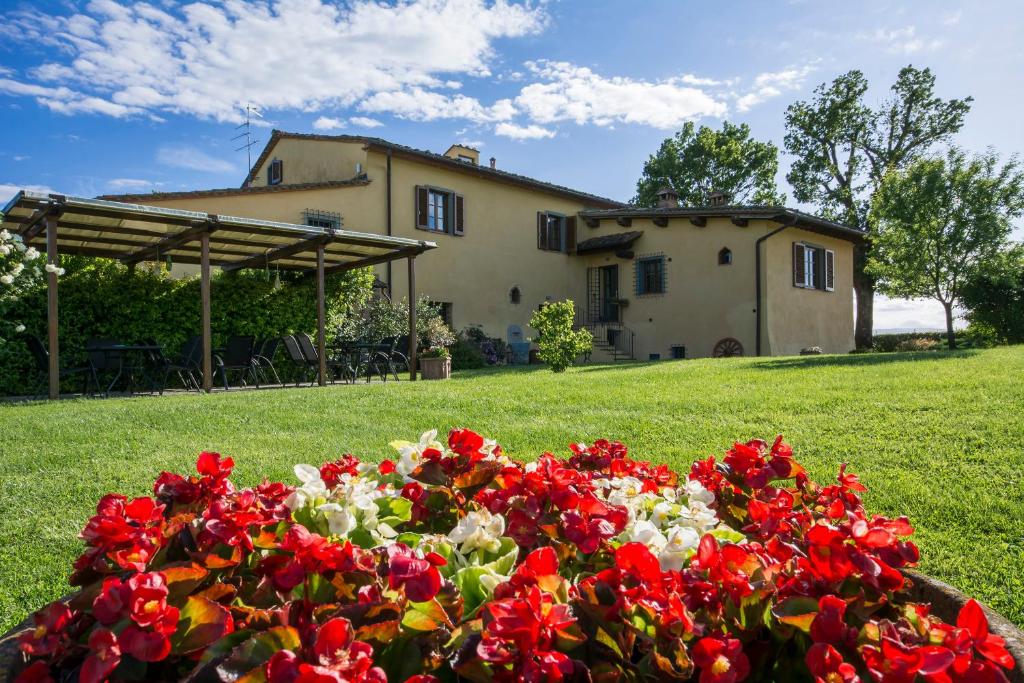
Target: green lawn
[939,437]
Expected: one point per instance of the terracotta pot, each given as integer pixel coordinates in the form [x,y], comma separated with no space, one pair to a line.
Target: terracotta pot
[945,600]
[435,368]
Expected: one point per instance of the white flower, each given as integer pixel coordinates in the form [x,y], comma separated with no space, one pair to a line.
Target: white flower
[7,279]
[410,455]
[52,268]
[19,328]
[4,235]
[696,493]
[478,529]
[16,270]
[682,544]
[339,520]
[31,254]
[697,516]
[662,514]
[645,532]
[312,487]
[5,249]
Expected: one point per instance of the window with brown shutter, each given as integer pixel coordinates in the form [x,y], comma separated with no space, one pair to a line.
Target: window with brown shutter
[275,172]
[830,270]
[459,222]
[422,206]
[799,275]
[570,234]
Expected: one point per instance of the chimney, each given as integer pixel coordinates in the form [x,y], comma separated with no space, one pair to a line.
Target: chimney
[493,163]
[667,198]
[718,199]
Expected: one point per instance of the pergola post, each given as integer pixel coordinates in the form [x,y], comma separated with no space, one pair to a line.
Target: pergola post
[51,304]
[204,289]
[413,341]
[321,316]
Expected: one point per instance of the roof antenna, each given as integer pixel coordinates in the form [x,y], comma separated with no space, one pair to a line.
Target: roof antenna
[246,133]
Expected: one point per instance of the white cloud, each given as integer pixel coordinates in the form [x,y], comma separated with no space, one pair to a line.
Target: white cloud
[131,183]
[418,104]
[186,156]
[772,84]
[952,18]
[575,93]
[517,132]
[21,157]
[209,58]
[365,122]
[328,123]
[910,314]
[904,41]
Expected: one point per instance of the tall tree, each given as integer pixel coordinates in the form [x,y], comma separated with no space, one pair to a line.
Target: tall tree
[844,149]
[994,296]
[939,222]
[696,162]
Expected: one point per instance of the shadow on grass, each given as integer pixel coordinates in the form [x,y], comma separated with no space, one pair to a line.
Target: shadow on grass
[860,359]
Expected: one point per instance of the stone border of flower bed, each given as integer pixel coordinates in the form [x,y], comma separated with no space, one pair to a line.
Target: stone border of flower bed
[945,600]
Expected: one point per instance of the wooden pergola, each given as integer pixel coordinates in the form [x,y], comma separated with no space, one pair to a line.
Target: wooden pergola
[134,233]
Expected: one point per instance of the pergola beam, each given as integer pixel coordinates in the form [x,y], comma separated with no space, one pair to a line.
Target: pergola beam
[374,260]
[321,316]
[52,219]
[413,337]
[204,294]
[171,242]
[313,243]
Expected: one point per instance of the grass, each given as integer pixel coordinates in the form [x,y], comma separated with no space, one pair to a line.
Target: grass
[935,436]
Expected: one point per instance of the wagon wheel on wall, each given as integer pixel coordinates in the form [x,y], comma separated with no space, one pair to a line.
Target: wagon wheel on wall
[727,348]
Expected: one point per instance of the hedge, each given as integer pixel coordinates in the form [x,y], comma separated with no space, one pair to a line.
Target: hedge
[102,298]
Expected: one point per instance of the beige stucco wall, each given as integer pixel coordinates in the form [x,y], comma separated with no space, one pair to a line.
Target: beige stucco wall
[313,160]
[796,318]
[703,301]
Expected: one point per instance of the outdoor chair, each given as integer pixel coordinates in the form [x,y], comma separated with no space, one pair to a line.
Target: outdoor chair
[41,357]
[335,366]
[263,360]
[185,366]
[238,357]
[299,361]
[389,357]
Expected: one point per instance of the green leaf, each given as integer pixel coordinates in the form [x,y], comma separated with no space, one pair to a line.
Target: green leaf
[257,651]
[797,611]
[200,623]
[182,579]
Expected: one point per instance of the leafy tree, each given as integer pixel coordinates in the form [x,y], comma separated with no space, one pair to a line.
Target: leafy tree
[939,221]
[844,149]
[696,163]
[994,296]
[559,344]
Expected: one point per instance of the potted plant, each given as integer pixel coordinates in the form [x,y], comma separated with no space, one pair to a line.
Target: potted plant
[436,363]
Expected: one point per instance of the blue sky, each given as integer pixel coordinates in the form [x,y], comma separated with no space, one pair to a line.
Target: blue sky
[105,96]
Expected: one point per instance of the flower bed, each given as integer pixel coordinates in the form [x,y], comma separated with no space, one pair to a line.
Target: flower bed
[458,561]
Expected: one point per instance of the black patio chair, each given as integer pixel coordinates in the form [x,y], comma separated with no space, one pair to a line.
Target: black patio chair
[264,359]
[391,358]
[41,358]
[238,357]
[335,366]
[184,366]
[302,366]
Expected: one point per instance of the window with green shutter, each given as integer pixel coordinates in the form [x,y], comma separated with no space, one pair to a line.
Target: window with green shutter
[650,275]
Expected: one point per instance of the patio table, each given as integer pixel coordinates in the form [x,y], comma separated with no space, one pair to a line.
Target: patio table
[121,350]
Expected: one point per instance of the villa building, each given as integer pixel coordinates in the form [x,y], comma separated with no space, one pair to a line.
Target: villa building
[649,283]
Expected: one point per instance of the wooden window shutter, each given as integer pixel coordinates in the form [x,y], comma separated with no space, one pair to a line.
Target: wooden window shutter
[570,235]
[799,275]
[830,270]
[422,206]
[542,230]
[459,224]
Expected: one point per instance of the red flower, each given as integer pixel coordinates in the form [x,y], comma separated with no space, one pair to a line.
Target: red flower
[894,662]
[465,442]
[539,567]
[143,600]
[331,472]
[104,656]
[215,471]
[521,632]
[730,566]
[419,577]
[37,672]
[336,658]
[827,665]
[48,635]
[990,646]
[828,626]
[721,660]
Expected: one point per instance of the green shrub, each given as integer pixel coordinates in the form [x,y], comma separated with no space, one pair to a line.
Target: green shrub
[887,343]
[466,355]
[558,343]
[102,298]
